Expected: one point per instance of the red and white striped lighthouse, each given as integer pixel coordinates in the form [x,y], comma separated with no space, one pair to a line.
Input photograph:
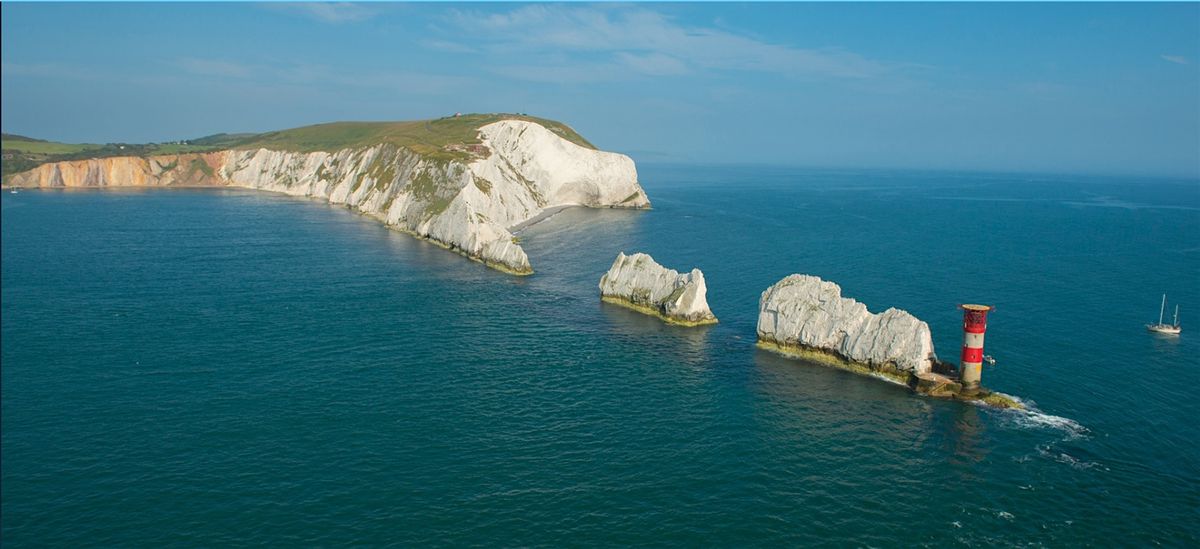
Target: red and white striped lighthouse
[974,325]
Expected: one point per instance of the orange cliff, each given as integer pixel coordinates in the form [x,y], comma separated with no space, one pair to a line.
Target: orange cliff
[183,170]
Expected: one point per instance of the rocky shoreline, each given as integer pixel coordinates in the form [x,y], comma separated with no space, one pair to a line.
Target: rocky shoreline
[804,317]
[463,204]
[520,174]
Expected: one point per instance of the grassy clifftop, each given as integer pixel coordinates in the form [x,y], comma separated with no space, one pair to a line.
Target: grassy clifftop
[22,153]
[437,138]
[422,136]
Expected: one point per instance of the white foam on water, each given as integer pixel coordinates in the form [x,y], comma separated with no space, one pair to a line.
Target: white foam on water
[1110,202]
[1032,418]
[1064,458]
[887,379]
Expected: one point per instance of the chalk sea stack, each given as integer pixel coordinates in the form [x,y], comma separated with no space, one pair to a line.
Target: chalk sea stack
[806,317]
[639,283]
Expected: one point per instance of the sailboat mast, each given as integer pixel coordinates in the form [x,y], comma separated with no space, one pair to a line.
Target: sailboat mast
[1163,308]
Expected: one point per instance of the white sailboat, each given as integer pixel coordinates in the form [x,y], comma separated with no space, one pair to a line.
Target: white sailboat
[1160,328]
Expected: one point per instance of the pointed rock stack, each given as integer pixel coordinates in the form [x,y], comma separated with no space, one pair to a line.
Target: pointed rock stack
[639,283]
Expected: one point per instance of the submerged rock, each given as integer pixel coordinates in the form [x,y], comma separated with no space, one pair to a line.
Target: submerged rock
[639,283]
[805,314]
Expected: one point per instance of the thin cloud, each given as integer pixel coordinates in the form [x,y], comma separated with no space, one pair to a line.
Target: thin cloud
[1041,88]
[59,71]
[447,46]
[652,43]
[563,73]
[214,67]
[329,12]
[402,81]
[1177,59]
[410,82]
[35,69]
[656,64]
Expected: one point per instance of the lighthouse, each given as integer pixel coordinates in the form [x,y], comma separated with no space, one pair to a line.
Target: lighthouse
[974,325]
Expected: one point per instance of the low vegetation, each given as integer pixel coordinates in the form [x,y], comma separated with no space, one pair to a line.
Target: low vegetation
[22,153]
[428,137]
[443,139]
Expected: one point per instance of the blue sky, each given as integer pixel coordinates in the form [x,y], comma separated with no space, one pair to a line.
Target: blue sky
[1088,88]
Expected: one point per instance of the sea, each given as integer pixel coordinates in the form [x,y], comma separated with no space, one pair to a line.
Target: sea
[192,367]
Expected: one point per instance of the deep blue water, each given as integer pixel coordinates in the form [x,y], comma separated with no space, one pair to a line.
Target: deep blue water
[203,367]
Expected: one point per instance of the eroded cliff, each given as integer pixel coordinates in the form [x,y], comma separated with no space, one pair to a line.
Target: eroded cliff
[466,201]
[638,282]
[804,314]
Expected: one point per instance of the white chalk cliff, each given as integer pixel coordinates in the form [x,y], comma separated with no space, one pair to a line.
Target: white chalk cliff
[805,312]
[638,281]
[466,205]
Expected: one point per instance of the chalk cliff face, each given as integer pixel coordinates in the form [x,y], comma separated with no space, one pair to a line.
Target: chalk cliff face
[638,282]
[803,312]
[465,205]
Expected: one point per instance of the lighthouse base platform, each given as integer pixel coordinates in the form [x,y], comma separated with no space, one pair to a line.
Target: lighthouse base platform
[942,386]
[942,382]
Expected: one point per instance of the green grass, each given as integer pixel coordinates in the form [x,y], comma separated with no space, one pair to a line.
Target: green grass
[221,139]
[429,138]
[78,151]
[198,165]
[173,148]
[44,147]
[483,185]
[23,154]
[15,137]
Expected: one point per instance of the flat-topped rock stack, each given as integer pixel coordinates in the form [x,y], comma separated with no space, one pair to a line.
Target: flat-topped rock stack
[806,317]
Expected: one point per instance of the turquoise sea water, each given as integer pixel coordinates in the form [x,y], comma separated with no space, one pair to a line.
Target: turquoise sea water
[204,367]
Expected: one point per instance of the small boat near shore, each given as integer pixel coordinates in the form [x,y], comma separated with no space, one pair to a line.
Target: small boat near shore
[1161,328]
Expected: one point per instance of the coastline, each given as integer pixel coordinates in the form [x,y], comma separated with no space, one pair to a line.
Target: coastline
[622,302]
[932,385]
[449,247]
[552,211]
[544,215]
[923,385]
[827,358]
[452,248]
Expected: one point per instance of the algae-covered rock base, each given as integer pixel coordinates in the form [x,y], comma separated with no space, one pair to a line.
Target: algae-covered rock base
[461,182]
[805,317]
[807,311]
[639,283]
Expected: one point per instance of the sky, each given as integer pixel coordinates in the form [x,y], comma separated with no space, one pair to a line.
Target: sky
[1061,88]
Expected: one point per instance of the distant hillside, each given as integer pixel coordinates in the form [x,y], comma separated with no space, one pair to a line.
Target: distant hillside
[21,143]
[427,137]
[15,137]
[221,139]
